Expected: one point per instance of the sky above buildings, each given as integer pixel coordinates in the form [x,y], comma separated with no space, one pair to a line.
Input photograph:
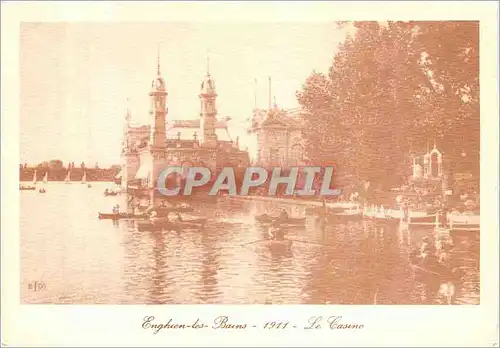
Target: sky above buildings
[76,78]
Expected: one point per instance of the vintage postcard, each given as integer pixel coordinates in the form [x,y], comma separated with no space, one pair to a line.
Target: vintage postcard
[240,154]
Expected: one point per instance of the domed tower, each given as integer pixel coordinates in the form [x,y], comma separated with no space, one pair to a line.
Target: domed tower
[208,111]
[158,110]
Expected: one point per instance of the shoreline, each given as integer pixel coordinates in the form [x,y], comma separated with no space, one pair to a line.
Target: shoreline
[306,202]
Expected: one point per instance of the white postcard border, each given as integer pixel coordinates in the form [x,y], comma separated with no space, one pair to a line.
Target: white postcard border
[59,325]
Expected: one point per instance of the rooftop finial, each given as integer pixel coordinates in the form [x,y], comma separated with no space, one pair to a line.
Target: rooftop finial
[208,62]
[128,116]
[269,100]
[158,60]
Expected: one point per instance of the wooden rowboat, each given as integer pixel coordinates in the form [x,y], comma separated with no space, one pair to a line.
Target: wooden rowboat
[115,216]
[284,244]
[191,223]
[426,219]
[438,271]
[163,211]
[163,224]
[111,193]
[386,220]
[346,216]
[27,188]
[267,219]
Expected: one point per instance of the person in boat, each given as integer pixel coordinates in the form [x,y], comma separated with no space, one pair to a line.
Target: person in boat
[136,209]
[275,232]
[106,191]
[283,215]
[406,211]
[428,252]
[153,216]
[116,209]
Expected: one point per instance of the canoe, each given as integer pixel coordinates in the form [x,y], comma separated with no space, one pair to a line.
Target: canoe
[350,216]
[114,216]
[110,193]
[438,271]
[383,219]
[162,211]
[422,219]
[421,271]
[279,244]
[191,223]
[163,224]
[29,188]
[290,221]
[155,226]
[321,210]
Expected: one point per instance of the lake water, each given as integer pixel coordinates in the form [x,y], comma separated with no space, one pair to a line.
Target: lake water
[75,258]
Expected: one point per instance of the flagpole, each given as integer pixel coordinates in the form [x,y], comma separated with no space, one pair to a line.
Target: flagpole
[255,95]
[269,97]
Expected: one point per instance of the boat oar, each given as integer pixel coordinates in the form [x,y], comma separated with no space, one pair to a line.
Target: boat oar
[253,242]
[313,243]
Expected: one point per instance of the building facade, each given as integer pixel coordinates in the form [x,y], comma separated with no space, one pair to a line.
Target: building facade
[279,137]
[149,149]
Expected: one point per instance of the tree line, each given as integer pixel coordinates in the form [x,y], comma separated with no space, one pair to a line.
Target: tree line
[395,89]
[57,171]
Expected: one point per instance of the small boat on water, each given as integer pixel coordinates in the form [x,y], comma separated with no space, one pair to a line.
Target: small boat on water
[176,225]
[163,211]
[84,178]
[348,215]
[382,218]
[27,188]
[279,245]
[34,178]
[110,193]
[464,219]
[422,219]
[118,216]
[42,190]
[45,178]
[288,221]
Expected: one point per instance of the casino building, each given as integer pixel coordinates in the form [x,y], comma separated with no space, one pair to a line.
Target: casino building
[205,141]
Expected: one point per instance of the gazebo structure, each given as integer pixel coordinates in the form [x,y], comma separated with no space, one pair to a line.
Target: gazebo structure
[428,166]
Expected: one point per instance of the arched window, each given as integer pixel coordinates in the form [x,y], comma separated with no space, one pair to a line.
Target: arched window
[274,156]
[296,154]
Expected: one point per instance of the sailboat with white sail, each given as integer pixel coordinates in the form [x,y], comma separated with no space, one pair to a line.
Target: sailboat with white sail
[84,178]
[67,179]
[34,178]
[46,178]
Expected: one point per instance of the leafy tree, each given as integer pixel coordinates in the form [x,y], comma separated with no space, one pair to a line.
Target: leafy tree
[55,164]
[392,88]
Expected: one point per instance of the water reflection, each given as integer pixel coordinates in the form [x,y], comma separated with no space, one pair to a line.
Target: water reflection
[86,260]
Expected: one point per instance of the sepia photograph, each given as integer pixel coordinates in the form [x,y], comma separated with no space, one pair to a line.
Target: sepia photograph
[313,163]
